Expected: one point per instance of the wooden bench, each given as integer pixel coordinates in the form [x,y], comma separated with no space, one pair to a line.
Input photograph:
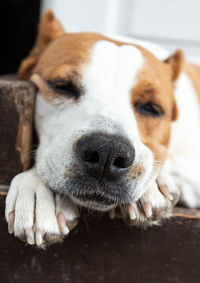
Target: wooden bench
[100,249]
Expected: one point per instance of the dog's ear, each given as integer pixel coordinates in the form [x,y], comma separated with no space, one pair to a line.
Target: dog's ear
[176,62]
[49,29]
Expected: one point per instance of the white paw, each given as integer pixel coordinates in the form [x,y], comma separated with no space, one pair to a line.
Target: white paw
[157,203]
[34,214]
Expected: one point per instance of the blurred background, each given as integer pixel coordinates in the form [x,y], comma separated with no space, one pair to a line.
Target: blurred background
[171,23]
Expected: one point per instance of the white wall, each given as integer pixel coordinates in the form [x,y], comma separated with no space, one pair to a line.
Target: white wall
[172,23]
[85,15]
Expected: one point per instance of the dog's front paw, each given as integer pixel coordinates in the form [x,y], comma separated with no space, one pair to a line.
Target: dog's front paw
[34,214]
[157,203]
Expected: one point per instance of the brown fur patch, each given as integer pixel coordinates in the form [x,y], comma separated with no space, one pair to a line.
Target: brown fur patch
[49,29]
[155,84]
[46,92]
[60,55]
[73,47]
[176,63]
[137,171]
[63,72]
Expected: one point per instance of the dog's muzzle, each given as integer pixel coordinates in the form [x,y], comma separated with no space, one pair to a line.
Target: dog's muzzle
[104,162]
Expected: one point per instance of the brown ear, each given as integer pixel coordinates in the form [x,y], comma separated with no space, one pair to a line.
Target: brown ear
[49,29]
[175,61]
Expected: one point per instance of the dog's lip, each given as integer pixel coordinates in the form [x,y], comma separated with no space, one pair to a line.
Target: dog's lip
[93,205]
[95,197]
[99,198]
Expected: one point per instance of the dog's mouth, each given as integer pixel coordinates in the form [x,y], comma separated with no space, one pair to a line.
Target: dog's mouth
[98,199]
[101,196]
[94,202]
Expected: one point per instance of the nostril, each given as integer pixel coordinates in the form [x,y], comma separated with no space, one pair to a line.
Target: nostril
[92,157]
[120,162]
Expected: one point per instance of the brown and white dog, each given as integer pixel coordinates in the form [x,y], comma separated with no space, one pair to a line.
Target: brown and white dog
[104,112]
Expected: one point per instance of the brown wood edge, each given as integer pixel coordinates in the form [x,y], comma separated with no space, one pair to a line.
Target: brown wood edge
[24,135]
[3,189]
[179,212]
[190,216]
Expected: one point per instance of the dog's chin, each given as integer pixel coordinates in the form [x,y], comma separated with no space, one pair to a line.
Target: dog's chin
[94,205]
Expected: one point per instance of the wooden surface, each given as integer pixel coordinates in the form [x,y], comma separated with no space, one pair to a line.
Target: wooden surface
[103,250]
[100,249]
[16,113]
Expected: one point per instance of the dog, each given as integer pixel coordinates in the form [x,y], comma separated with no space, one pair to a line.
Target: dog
[118,126]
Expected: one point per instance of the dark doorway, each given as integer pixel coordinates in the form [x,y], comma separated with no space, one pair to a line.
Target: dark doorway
[18,22]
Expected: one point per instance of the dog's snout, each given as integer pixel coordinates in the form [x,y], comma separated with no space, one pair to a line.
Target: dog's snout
[105,156]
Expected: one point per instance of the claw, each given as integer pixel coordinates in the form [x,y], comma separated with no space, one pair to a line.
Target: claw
[165,191]
[11,218]
[147,207]
[112,213]
[62,224]
[30,236]
[132,211]
[39,237]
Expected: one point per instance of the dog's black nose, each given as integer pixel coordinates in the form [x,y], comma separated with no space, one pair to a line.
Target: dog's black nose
[105,156]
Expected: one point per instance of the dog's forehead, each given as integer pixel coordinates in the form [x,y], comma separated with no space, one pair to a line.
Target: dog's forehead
[102,65]
[76,50]
[113,66]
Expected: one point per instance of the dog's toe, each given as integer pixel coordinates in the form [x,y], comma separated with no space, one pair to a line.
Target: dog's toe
[67,214]
[157,203]
[33,213]
[11,218]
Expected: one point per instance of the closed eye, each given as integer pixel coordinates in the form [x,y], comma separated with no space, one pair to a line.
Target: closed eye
[66,88]
[150,108]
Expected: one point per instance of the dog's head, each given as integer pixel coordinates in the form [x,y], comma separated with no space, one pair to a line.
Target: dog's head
[103,114]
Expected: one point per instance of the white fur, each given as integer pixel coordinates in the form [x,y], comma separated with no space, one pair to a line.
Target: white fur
[107,78]
[184,150]
[35,208]
[24,203]
[157,50]
[105,106]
